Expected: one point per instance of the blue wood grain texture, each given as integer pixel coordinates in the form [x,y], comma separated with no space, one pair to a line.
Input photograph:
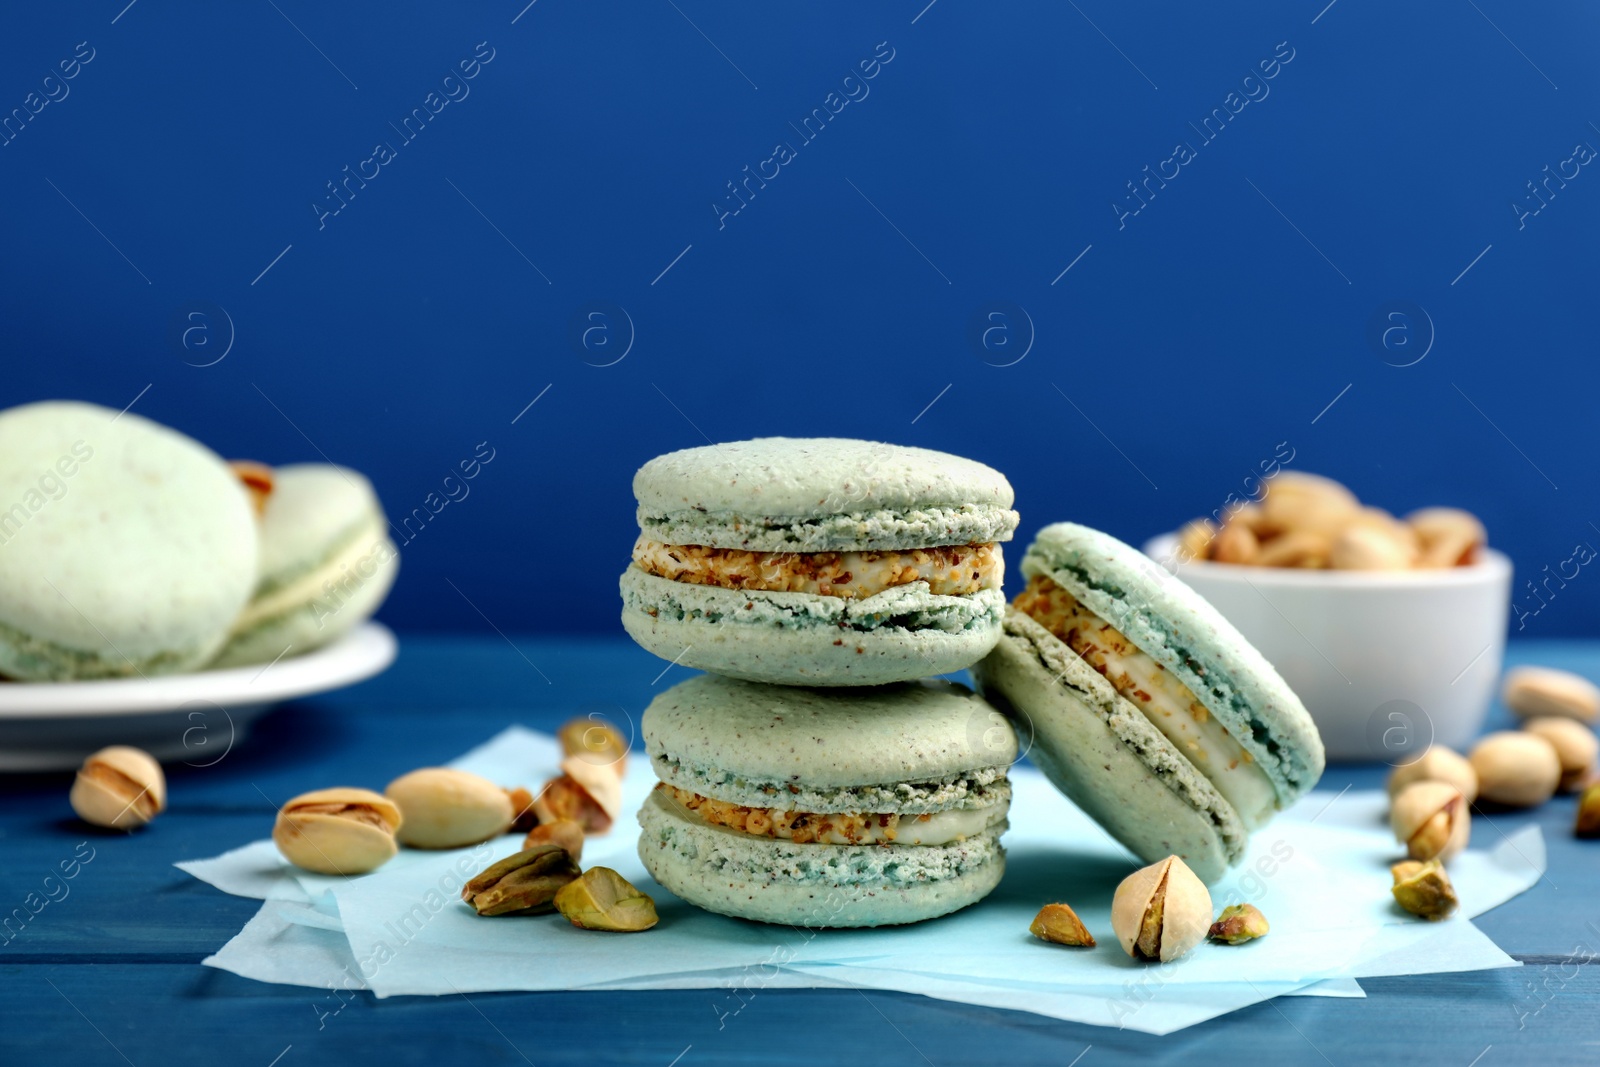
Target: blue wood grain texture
[109,973]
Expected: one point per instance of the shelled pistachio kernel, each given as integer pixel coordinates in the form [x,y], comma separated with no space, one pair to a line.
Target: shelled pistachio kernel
[120,787]
[338,831]
[1161,911]
[1588,820]
[601,899]
[447,808]
[1423,889]
[1431,819]
[1058,923]
[1239,923]
[524,883]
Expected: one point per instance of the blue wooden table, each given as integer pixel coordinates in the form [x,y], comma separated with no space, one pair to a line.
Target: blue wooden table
[110,973]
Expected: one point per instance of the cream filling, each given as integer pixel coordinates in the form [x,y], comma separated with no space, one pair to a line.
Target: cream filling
[309,586]
[949,570]
[1165,701]
[886,828]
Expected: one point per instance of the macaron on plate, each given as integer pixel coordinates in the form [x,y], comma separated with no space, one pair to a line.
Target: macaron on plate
[826,807]
[194,718]
[1145,706]
[818,561]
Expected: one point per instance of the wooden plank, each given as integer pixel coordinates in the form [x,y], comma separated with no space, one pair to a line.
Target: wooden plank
[124,941]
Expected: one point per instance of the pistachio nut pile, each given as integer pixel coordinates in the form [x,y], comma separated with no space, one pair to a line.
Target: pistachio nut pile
[1305,520]
[1432,797]
[349,831]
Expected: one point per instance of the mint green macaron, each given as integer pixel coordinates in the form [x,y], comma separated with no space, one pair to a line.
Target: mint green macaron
[826,807]
[327,564]
[1146,707]
[818,561]
[126,548]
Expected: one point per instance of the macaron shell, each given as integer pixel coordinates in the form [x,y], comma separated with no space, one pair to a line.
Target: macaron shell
[821,749]
[326,564]
[783,477]
[1181,631]
[775,881]
[313,511]
[1103,753]
[311,624]
[903,633]
[135,563]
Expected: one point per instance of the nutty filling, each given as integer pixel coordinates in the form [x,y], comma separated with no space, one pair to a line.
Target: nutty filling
[833,828]
[949,570]
[1102,646]
[798,826]
[1166,701]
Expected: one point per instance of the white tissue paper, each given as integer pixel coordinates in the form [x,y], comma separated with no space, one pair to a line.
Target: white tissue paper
[1319,872]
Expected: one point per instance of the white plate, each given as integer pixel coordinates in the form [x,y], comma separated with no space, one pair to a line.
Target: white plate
[193,718]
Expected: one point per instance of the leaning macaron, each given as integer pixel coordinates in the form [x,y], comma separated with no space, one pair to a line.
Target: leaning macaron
[126,548]
[826,807]
[818,561]
[326,564]
[1147,708]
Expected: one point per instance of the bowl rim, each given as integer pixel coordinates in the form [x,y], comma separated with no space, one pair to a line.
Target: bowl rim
[1491,566]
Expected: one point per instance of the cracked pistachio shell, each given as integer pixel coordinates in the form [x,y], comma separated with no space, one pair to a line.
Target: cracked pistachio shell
[337,831]
[444,808]
[1431,819]
[1371,548]
[1169,889]
[587,793]
[1437,764]
[1449,536]
[595,741]
[119,787]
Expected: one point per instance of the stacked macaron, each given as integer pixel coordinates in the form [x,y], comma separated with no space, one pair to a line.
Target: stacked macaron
[826,807]
[818,561]
[130,550]
[812,779]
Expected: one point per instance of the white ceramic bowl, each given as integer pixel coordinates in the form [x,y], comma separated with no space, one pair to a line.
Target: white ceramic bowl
[196,718]
[1386,662]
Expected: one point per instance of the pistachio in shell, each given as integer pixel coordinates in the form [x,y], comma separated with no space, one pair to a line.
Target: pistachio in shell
[1161,911]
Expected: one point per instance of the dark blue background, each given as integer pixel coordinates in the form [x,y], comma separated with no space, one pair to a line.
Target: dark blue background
[984,160]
